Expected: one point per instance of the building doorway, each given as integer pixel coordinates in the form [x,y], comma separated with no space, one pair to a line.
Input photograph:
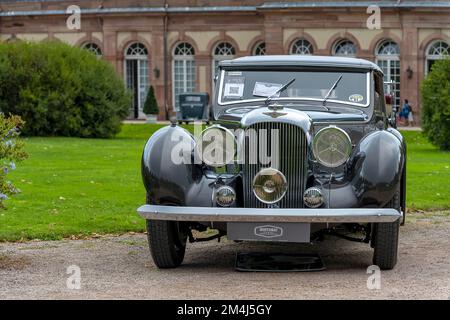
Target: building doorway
[137,77]
[388,59]
[183,71]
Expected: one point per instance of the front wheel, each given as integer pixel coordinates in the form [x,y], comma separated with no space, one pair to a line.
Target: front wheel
[167,243]
[385,239]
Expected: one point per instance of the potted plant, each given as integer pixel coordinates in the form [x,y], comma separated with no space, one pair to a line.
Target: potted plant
[151,108]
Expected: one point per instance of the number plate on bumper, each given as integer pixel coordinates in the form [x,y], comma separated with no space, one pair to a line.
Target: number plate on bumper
[266,231]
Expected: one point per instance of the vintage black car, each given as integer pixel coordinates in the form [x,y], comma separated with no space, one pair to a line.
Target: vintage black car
[302,147]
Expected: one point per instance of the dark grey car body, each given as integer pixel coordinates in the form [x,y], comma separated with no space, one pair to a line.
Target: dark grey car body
[354,193]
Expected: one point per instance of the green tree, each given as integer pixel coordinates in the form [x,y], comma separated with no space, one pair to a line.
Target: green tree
[60,90]
[151,105]
[11,152]
[436,104]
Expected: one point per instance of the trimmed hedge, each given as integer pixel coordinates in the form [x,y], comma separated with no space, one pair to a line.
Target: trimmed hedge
[436,104]
[60,90]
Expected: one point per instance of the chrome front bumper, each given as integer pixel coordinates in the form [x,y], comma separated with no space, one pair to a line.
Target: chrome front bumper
[358,215]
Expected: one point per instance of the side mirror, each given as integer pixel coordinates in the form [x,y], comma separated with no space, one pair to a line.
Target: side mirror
[391,110]
[388,101]
[392,119]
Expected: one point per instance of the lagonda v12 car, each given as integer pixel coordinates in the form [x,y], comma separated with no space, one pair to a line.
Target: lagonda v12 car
[301,147]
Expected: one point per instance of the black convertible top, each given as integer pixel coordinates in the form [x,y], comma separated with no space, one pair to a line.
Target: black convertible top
[300,60]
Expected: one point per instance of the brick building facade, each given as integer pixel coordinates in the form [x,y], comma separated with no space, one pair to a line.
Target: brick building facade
[175,45]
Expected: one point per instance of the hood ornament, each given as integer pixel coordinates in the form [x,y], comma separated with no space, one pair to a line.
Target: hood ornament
[275,110]
[275,106]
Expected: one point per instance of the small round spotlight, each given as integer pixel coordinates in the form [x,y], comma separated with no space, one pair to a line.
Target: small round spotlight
[269,185]
[313,197]
[225,196]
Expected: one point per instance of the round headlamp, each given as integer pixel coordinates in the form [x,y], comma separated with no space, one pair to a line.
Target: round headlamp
[269,185]
[216,146]
[331,146]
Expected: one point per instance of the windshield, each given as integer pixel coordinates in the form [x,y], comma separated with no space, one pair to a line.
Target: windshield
[251,86]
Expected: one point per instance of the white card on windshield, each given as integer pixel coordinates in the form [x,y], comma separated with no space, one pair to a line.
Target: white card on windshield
[264,89]
[234,90]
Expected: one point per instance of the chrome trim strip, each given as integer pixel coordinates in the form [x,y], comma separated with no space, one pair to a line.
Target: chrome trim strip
[341,215]
[221,103]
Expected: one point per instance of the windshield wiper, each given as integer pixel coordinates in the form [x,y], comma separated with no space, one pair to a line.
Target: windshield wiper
[324,103]
[284,87]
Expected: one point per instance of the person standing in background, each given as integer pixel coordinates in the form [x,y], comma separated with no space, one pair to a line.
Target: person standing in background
[410,116]
[406,112]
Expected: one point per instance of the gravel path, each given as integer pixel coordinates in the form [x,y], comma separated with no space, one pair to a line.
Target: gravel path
[121,268]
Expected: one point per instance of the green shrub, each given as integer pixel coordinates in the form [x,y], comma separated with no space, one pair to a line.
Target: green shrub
[11,151]
[151,105]
[436,104]
[61,90]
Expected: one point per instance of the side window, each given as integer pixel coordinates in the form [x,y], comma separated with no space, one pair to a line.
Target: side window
[379,93]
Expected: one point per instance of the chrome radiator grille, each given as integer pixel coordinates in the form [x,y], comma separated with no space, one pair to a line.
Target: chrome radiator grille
[292,148]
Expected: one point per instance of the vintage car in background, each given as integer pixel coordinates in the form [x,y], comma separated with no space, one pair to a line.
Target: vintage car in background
[302,147]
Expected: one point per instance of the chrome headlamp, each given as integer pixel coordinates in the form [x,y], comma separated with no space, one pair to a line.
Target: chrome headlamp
[216,146]
[269,185]
[225,196]
[331,146]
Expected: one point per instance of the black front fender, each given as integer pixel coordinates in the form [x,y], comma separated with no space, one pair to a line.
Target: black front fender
[169,173]
[378,166]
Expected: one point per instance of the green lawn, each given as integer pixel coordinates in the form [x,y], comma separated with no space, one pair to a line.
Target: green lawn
[74,186]
[428,174]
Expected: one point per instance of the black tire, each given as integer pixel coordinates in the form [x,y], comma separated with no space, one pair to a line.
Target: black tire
[385,239]
[167,243]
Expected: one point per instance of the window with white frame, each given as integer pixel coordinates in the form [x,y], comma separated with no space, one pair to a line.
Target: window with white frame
[436,51]
[301,46]
[93,48]
[344,48]
[183,71]
[259,49]
[137,76]
[136,50]
[388,59]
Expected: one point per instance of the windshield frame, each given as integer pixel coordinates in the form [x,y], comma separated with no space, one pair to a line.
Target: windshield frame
[227,103]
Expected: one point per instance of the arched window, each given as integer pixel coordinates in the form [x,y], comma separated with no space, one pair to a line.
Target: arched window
[388,48]
[136,50]
[93,48]
[388,58]
[222,51]
[301,46]
[259,49]
[137,76]
[344,48]
[436,51]
[183,71]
